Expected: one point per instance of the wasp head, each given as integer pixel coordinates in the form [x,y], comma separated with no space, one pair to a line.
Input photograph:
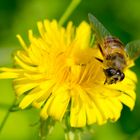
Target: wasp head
[113,76]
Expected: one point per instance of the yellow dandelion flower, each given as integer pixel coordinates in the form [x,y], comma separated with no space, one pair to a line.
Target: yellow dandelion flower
[58,72]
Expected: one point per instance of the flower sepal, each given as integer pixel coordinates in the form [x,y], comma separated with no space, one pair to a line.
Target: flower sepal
[46,127]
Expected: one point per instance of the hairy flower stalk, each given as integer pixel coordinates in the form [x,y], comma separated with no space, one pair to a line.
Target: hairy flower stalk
[59,74]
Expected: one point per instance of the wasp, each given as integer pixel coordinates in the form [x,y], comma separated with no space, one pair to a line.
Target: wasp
[115,54]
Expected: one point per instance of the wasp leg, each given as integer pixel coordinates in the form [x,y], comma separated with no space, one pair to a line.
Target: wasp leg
[105,81]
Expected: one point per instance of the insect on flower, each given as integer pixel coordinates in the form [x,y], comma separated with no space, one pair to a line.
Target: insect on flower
[115,54]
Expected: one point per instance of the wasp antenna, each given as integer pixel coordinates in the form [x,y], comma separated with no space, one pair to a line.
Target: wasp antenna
[100,48]
[100,60]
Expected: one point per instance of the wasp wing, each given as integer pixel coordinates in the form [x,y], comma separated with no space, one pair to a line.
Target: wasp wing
[133,49]
[100,31]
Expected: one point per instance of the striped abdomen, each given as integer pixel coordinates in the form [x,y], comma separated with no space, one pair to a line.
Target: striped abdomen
[114,53]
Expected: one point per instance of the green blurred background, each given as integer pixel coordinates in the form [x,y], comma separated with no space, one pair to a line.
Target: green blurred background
[122,19]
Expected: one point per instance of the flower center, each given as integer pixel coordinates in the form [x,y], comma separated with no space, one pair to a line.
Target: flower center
[77,68]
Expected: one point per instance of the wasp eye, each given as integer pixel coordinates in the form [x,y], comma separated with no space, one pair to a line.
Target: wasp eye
[110,72]
[122,76]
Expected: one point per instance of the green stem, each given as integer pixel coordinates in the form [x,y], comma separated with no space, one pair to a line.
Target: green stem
[7,115]
[4,106]
[69,10]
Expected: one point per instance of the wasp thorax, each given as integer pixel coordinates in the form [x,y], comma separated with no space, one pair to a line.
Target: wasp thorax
[116,61]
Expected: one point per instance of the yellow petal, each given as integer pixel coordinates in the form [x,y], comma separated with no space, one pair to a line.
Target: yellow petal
[115,108]
[44,110]
[38,104]
[22,42]
[41,28]
[6,75]
[131,75]
[28,99]
[127,100]
[24,65]
[83,35]
[10,73]
[24,85]
[37,95]
[78,114]
[69,33]
[103,108]
[59,104]
[90,114]
[23,56]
